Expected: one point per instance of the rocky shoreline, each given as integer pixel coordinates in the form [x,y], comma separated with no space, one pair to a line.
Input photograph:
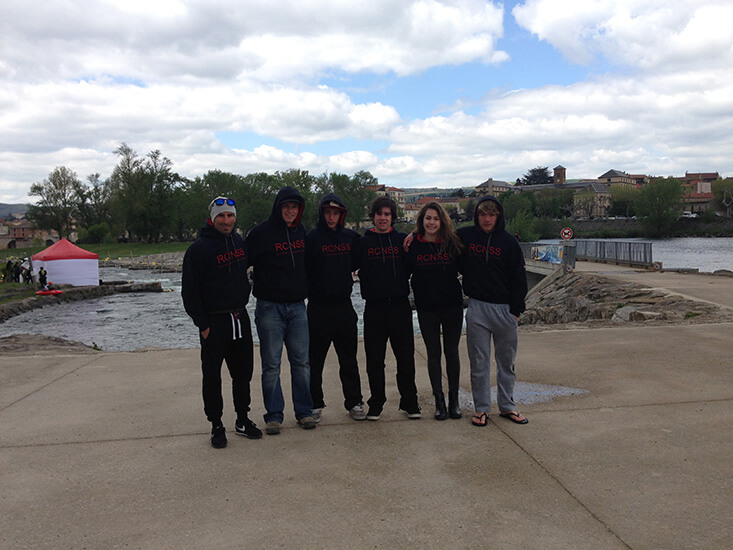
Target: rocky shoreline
[171,262]
[589,300]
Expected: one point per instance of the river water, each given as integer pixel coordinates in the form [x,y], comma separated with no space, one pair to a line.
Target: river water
[127,322]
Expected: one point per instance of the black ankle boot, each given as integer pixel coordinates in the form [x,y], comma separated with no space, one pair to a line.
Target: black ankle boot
[454,409]
[440,412]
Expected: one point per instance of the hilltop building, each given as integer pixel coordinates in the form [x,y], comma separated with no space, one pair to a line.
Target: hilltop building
[493,187]
[394,193]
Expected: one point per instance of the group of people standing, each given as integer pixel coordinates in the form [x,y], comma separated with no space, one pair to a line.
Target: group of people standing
[17,273]
[289,266]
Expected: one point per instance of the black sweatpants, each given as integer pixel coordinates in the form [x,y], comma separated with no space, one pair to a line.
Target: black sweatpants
[390,320]
[230,340]
[451,322]
[334,323]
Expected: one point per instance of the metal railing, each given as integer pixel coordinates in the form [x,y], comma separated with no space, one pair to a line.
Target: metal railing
[620,252]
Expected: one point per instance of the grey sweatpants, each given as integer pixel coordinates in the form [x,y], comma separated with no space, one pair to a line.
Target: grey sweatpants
[485,321]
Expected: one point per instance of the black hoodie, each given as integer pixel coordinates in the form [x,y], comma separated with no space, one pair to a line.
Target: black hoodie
[382,270]
[214,278]
[493,264]
[331,256]
[434,279]
[277,254]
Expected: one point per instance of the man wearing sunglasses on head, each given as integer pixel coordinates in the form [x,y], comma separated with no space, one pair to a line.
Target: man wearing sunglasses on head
[215,293]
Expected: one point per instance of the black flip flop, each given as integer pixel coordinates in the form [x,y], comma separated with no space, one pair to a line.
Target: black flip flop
[482,418]
[514,417]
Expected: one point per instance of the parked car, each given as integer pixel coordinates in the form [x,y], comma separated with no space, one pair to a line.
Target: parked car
[688,214]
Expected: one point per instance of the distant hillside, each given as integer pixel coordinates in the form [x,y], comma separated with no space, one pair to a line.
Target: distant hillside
[7,209]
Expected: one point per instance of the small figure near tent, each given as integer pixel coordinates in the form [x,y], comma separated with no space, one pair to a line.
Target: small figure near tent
[16,272]
[27,272]
[42,277]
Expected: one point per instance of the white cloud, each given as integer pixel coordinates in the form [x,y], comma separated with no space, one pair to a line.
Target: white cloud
[654,35]
[259,40]
[78,78]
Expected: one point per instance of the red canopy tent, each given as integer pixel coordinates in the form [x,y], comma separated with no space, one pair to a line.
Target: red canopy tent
[68,264]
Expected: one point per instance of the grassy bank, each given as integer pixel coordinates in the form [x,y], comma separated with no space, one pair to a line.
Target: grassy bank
[109,250]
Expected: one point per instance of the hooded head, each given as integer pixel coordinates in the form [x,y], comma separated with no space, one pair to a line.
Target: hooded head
[285,195]
[489,204]
[332,203]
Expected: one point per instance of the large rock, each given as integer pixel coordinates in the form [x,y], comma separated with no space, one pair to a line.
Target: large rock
[592,299]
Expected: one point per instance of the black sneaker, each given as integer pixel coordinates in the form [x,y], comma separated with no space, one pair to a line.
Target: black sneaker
[248,429]
[374,413]
[218,437]
[413,412]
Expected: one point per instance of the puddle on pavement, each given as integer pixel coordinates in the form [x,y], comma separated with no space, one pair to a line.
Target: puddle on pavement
[526,394]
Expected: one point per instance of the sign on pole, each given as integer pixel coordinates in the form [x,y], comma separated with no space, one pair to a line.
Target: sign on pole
[566,233]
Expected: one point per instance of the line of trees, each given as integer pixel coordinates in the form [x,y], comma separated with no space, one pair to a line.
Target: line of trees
[145,200]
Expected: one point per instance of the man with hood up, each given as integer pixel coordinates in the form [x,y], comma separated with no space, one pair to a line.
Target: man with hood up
[215,292]
[276,250]
[495,280]
[387,313]
[331,256]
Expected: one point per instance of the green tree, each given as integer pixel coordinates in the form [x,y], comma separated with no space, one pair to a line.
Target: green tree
[723,195]
[658,203]
[524,225]
[55,209]
[352,191]
[553,203]
[143,193]
[622,200]
[260,190]
[97,233]
[583,202]
[539,175]
[514,203]
[92,201]
[468,206]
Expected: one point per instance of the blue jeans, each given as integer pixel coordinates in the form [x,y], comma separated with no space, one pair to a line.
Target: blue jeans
[277,324]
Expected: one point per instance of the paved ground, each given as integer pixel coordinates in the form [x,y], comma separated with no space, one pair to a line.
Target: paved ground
[111,450]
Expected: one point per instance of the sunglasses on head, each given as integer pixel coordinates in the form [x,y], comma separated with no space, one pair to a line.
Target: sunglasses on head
[219,202]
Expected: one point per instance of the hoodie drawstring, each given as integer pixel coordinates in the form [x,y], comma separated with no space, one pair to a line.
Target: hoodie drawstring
[488,244]
[290,246]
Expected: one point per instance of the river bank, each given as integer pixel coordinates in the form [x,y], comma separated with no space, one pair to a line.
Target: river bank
[73,294]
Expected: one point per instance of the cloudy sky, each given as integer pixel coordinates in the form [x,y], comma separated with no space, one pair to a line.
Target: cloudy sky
[420,93]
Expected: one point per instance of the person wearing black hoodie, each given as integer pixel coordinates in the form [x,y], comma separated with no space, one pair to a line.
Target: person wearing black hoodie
[215,292]
[331,256]
[387,313]
[433,262]
[276,249]
[495,280]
